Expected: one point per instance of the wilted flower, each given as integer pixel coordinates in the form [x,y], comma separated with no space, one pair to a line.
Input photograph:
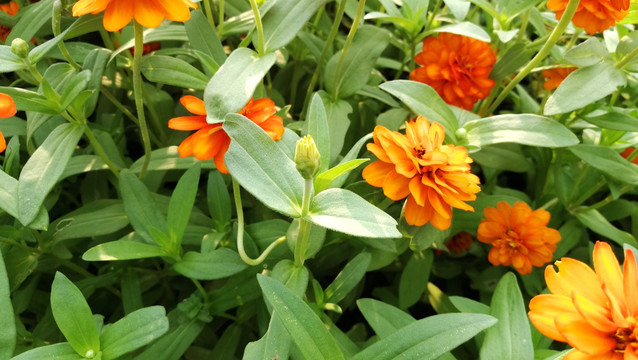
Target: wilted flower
[149,13]
[554,77]
[594,311]
[457,67]
[11,8]
[519,236]
[595,16]
[434,177]
[7,109]
[210,141]
[459,243]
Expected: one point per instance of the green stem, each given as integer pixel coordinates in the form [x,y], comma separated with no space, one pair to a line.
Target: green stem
[570,10]
[240,231]
[433,15]
[589,193]
[346,46]
[139,99]
[198,285]
[260,28]
[604,201]
[220,28]
[324,51]
[100,151]
[625,59]
[19,245]
[209,13]
[523,27]
[34,72]
[304,224]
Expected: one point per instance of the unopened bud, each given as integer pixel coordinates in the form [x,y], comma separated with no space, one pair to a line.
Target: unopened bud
[307,157]
[461,134]
[20,48]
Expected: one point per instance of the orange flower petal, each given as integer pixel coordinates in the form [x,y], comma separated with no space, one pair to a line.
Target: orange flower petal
[83,7]
[544,308]
[3,142]
[630,279]
[187,122]
[417,215]
[118,14]
[176,10]
[149,13]
[609,272]
[574,277]
[7,106]
[395,186]
[596,315]
[584,337]
[219,158]
[375,173]
[193,104]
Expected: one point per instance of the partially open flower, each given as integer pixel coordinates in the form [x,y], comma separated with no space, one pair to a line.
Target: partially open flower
[11,8]
[7,109]
[210,141]
[519,236]
[457,67]
[554,77]
[434,177]
[594,311]
[595,16]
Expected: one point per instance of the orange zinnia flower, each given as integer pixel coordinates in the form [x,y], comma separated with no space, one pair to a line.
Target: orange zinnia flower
[595,16]
[435,177]
[149,13]
[210,141]
[457,67]
[519,236]
[594,311]
[554,77]
[11,8]
[7,109]
[628,152]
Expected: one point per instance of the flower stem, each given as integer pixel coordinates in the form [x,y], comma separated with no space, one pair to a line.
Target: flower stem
[220,28]
[570,10]
[240,232]
[209,13]
[346,46]
[260,28]
[139,99]
[100,151]
[304,224]
[625,59]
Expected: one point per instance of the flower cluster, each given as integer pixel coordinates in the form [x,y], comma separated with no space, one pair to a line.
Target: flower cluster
[434,177]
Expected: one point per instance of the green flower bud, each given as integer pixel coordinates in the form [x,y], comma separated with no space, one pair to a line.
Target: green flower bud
[461,134]
[307,157]
[20,48]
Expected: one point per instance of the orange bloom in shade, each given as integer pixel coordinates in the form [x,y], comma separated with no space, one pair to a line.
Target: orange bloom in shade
[459,243]
[628,152]
[457,67]
[7,109]
[554,77]
[595,16]
[434,177]
[11,8]
[210,141]
[148,13]
[519,236]
[594,311]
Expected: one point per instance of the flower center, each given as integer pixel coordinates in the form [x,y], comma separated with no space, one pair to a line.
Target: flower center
[626,336]
[420,151]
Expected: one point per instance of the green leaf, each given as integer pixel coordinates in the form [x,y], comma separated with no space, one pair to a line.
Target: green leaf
[505,156]
[347,212]
[203,37]
[8,194]
[7,317]
[261,167]
[161,33]
[608,161]
[409,25]
[413,281]
[338,122]
[427,338]
[348,278]
[318,128]
[44,168]
[424,101]
[509,63]
[595,221]
[96,61]
[588,53]
[10,62]
[122,250]
[275,344]
[73,316]
[234,83]
[464,28]
[76,84]
[101,217]
[357,64]
[28,100]
[168,159]
[181,204]
[133,331]
[61,351]
[583,87]
[614,120]
[216,264]
[511,337]
[218,201]
[292,276]
[284,20]
[525,129]
[173,71]
[41,50]
[304,326]
[140,206]
[326,179]
[173,345]
[383,318]
[33,18]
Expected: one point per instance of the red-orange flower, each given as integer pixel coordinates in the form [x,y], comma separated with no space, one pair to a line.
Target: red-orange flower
[594,311]
[434,177]
[457,67]
[11,8]
[628,151]
[210,141]
[7,109]
[554,77]
[459,243]
[595,16]
[149,13]
[519,236]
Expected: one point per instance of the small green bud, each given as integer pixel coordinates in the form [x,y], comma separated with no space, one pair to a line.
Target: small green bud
[20,48]
[307,157]
[90,354]
[461,134]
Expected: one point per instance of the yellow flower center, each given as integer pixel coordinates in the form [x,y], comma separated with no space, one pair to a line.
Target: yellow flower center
[627,336]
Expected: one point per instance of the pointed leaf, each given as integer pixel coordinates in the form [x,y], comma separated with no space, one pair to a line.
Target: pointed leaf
[7,317]
[122,250]
[383,318]
[181,204]
[348,278]
[212,265]
[140,206]
[284,20]
[133,331]
[318,128]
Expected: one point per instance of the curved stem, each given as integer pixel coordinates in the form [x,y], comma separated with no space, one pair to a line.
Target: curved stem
[199,286]
[304,224]
[570,10]
[259,26]
[240,232]
[346,46]
[139,100]
[625,59]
